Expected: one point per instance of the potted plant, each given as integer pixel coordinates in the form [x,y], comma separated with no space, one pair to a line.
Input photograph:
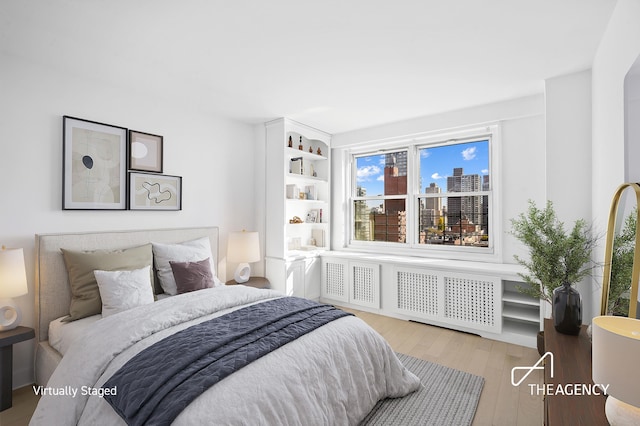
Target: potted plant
[622,266]
[557,260]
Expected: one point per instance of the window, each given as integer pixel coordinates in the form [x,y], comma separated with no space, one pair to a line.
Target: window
[380,201]
[461,219]
[425,195]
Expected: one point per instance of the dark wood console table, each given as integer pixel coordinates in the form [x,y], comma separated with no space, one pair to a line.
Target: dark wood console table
[572,364]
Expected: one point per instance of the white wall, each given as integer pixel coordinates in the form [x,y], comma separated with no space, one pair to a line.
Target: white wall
[522,157]
[618,50]
[568,156]
[568,144]
[215,157]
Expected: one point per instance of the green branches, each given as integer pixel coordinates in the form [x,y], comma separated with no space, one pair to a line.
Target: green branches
[555,257]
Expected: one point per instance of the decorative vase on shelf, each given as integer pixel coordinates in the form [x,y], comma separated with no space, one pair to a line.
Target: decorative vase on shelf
[567,309]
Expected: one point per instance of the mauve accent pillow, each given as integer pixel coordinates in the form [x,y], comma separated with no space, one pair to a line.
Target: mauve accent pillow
[188,251]
[192,276]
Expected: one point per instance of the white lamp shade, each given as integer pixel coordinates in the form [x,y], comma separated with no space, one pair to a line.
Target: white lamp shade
[615,355]
[13,278]
[243,247]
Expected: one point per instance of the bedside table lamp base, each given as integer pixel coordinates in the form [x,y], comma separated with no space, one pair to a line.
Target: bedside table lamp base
[10,314]
[13,283]
[242,274]
[620,413]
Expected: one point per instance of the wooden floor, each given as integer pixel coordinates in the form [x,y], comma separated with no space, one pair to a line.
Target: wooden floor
[500,403]
[24,403]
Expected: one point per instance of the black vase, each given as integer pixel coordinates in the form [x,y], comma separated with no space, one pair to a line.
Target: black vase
[567,309]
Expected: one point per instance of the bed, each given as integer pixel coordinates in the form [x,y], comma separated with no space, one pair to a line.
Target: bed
[333,373]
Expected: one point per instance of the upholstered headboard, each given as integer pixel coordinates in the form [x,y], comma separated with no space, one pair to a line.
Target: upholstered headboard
[53,294]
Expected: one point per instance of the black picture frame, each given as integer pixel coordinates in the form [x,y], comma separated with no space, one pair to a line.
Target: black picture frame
[145,152]
[94,165]
[152,191]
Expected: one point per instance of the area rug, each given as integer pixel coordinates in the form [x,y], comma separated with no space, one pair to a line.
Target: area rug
[446,397]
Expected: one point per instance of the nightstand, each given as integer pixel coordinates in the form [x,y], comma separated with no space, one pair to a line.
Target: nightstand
[7,339]
[257,282]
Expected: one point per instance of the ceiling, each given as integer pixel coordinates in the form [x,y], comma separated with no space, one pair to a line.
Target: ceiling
[338,65]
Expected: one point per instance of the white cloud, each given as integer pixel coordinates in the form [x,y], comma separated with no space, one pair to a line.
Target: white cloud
[424,153]
[469,153]
[366,173]
[436,175]
[484,171]
[380,178]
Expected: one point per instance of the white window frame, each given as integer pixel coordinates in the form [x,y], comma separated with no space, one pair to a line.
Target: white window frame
[353,197]
[413,144]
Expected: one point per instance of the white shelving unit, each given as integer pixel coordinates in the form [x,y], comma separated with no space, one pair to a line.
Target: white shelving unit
[521,316]
[298,205]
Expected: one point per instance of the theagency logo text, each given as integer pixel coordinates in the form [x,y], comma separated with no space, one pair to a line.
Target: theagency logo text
[570,389]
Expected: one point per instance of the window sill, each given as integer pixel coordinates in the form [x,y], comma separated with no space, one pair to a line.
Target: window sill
[464,253]
[504,270]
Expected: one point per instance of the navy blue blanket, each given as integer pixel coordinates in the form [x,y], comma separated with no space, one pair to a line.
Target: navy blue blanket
[155,386]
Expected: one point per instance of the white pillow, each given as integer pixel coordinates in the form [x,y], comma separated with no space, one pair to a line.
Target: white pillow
[189,251]
[122,290]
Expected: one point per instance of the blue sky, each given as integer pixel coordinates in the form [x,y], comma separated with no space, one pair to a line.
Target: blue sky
[435,165]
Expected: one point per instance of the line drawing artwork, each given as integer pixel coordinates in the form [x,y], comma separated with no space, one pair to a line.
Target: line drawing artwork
[155,194]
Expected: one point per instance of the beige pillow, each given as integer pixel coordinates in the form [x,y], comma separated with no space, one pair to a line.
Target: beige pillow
[85,295]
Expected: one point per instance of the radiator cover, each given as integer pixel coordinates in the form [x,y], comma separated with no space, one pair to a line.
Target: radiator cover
[449,297]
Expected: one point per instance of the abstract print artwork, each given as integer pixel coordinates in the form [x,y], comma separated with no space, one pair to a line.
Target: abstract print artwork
[94,165]
[149,191]
[145,152]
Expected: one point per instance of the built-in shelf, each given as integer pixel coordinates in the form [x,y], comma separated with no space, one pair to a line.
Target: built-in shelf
[519,298]
[293,152]
[311,224]
[298,185]
[306,177]
[520,314]
[298,200]
[520,332]
[513,312]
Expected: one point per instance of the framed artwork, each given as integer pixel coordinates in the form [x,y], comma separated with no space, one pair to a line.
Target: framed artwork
[145,152]
[312,216]
[150,191]
[94,164]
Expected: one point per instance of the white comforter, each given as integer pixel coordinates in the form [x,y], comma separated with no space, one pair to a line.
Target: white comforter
[332,376]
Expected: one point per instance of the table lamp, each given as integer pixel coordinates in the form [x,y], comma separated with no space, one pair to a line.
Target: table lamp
[615,354]
[13,283]
[243,248]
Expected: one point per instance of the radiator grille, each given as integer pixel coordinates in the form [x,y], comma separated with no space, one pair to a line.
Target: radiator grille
[334,282]
[364,285]
[470,300]
[418,292]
